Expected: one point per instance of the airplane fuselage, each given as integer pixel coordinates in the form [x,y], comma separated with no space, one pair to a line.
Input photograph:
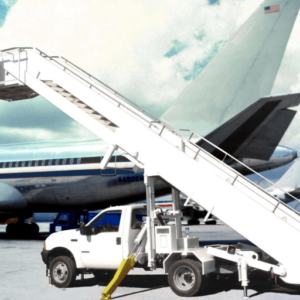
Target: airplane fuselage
[49,177]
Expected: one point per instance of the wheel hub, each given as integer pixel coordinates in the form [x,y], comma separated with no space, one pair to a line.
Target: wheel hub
[60,272]
[184,278]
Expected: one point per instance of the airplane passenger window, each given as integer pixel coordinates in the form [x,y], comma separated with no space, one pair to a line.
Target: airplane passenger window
[107,222]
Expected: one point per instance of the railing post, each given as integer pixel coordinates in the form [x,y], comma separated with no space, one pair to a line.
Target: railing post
[276,207]
[235,179]
[162,129]
[197,153]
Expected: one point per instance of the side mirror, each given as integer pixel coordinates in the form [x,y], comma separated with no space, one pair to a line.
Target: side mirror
[82,228]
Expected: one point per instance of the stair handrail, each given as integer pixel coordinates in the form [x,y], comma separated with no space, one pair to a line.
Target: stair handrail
[247,167]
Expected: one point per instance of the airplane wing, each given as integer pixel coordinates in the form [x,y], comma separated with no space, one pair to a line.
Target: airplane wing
[256,131]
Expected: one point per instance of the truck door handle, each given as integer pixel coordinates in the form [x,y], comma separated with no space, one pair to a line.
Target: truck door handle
[118,241]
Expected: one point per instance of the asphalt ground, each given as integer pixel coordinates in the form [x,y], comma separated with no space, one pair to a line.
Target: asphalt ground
[23,275]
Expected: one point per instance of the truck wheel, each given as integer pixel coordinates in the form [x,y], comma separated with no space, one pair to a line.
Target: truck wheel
[185,277]
[193,222]
[12,229]
[62,271]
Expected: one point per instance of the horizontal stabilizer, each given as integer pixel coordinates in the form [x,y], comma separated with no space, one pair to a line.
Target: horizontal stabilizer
[256,131]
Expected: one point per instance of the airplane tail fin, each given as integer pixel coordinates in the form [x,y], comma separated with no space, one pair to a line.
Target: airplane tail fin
[242,72]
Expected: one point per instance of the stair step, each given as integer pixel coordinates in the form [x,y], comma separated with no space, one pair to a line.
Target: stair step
[80,104]
[65,94]
[88,110]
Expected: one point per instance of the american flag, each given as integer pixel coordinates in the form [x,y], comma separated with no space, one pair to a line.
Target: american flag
[272,9]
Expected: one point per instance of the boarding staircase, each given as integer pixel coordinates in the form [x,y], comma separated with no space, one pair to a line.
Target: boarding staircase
[158,149]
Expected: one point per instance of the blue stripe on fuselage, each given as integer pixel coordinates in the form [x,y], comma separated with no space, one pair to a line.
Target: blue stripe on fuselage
[66,173]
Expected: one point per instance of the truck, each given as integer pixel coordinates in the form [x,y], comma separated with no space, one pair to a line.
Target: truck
[100,246]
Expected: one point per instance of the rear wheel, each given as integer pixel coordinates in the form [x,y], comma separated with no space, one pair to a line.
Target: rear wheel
[12,229]
[33,229]
[193,222]
[62,271]
[211,222]
[185,277]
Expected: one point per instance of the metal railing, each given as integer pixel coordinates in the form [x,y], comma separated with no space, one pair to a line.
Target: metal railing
[155,120]
[226,154]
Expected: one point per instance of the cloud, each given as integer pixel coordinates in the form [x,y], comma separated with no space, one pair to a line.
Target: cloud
[11,135]
[147,50]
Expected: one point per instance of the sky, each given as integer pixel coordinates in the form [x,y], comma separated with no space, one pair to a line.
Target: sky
[150,51]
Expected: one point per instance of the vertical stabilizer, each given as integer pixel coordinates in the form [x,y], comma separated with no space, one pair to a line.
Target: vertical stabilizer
[243,72]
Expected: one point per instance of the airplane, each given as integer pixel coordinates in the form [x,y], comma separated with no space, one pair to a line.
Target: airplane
[288,183]
[55,176]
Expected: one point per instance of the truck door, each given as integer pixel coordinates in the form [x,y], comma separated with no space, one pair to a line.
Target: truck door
[102,248]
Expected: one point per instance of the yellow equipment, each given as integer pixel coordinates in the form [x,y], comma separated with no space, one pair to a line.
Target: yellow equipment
[124,268]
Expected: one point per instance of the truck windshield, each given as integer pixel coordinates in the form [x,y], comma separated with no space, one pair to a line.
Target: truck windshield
[111,218]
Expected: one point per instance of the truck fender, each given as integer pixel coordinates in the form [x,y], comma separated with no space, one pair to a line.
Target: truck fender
[208,262]
[59,251]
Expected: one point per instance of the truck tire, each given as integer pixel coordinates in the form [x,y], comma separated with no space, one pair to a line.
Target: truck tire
[62,271]
[185,277]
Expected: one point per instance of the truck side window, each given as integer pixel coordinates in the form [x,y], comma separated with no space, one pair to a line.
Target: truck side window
[107,222]
[137,218]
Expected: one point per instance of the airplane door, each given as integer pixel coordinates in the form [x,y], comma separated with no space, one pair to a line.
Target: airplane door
[103,247]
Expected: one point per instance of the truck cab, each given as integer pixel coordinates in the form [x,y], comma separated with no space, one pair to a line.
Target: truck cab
[101,244]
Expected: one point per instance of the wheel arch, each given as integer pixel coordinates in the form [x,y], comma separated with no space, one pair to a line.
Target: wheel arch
[208,263]
[60,251]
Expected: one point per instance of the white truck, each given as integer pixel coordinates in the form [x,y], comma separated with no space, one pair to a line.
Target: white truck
[100,246]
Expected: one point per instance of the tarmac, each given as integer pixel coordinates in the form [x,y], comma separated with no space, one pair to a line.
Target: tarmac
[23,274]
